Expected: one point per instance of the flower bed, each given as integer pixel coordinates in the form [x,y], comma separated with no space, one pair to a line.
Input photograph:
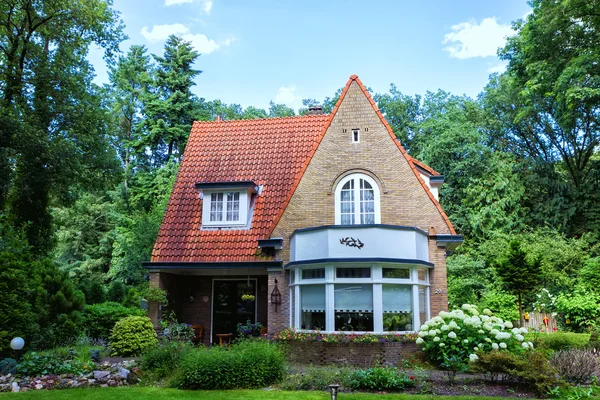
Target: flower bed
[340,349]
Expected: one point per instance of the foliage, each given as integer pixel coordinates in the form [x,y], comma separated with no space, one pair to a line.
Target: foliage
[380,378]
[318,378]
[92,287]
[247,364]
[453,339]
[34,364]
[99,319]
[581,308]
[8,366]
[519,274]
[558,341]
[161,361]
[132,336]
[578,366]
[175,331]
[496,364]
[501,304]
[248,329]
[157,295]
[286,335]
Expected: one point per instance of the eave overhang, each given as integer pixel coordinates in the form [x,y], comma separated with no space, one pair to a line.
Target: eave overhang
[227,185]
[449,242]
[174,265]
[369,260]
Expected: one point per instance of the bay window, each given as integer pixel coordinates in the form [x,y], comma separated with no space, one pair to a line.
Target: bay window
[359,298]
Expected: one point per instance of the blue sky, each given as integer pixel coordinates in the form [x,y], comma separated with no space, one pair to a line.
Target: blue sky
[257,51]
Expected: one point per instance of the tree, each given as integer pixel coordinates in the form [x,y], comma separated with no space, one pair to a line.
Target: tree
[280,110]
[170,108]
[402,112]
[554,76]
[519,274]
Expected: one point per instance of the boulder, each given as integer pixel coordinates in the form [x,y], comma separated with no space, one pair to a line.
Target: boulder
[100,375]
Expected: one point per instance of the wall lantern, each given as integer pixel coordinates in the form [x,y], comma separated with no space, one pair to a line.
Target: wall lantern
[276,296]
[526,317]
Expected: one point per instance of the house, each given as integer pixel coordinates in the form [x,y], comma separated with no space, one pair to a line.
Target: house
[316,222]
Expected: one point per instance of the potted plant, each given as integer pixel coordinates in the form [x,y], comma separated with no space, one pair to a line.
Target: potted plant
[249,329]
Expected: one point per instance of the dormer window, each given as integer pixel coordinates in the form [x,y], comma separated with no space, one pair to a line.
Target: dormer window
[226,204]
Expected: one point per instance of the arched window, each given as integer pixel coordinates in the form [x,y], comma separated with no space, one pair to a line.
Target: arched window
[357,201]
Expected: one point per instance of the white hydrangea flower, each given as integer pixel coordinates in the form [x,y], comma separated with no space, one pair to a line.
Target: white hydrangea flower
[487,311]
[520,338]
[523,330]
[444,328]
[425,327]
[473,357]
[436,339]
[466,341]
[474,312]
[481,331]
[438,331]
[476,348]
[420,341]
[508,325]
[452,325]
[432,332]
[530,345]
[502,335]
[525,344]
[495,346]
[503,345]
[494,332]
[442,344]
[487,339]
[452,335]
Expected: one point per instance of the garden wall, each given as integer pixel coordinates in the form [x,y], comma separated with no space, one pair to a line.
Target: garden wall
[356,354]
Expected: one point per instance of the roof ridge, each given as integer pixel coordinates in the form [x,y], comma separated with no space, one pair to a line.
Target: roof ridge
[400,147]
[263,119]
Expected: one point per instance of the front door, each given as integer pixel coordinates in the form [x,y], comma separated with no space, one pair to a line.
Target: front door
[229,309]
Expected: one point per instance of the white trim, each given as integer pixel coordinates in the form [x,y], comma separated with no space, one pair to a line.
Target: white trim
[376,197]
[212,304]
[243,209]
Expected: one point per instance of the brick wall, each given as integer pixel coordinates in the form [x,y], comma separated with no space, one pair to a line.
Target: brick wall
[362,355]
[403,200]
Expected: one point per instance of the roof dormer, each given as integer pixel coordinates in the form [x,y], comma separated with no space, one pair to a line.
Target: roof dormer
[227,204]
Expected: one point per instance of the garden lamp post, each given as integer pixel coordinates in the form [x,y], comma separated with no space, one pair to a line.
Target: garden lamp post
[334,391]
[17,345]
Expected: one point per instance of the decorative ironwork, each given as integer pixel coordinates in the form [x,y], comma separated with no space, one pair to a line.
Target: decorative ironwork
[276,296]
[351,242]
[438,291]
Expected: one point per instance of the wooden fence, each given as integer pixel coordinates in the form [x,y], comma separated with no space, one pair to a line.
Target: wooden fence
[536,322]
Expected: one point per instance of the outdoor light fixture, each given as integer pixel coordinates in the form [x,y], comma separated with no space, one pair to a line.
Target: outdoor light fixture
[334,391]
[17,343]
[276,296]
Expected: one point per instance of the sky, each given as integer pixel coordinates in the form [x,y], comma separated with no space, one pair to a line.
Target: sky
[255,51]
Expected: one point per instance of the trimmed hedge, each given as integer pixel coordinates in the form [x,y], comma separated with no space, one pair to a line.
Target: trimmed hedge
[132,336]
[99,319]
[249,364]
[559,340]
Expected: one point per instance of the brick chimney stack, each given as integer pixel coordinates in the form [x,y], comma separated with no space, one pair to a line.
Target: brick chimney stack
[315,110]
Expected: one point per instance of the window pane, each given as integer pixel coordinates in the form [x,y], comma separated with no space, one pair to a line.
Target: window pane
[348,219]
[233,206]
[423,304]
[367,203]
[397,308]
[396,273]
[216,207]
[312,305]
[353,307]
[353,272]
[316,273]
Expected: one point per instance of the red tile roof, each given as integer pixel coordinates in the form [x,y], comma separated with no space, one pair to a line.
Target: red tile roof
[423,166]
[272,152]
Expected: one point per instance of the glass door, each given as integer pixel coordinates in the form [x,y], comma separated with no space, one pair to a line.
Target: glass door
[229,308]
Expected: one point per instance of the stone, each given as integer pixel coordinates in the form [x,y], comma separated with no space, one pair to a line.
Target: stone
[104,385]
[15,387]
[99,375]
[39,386]
[123,372]
[91,381]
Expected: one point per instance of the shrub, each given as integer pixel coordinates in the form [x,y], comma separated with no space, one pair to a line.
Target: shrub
[99,319]
[502,304]
[496,364]
[380,378]
[559,340]
[536,372]
[8,366]
[132,335]
[175,331]
[453,339]
[576,365]
[248,364]
[163,360]
[117,291]
[582,308]
[319,378]
[34,364]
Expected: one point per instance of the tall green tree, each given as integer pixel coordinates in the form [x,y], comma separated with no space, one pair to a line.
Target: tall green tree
[170,108]
[519,274]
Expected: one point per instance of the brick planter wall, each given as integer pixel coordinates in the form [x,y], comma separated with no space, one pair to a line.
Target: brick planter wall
[353,354]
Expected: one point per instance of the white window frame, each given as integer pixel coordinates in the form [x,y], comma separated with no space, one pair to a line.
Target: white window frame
[376,280]
[243,209]
[338,194]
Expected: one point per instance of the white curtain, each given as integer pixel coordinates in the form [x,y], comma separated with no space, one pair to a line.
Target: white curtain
[397,298]
[312,298]
[353,298]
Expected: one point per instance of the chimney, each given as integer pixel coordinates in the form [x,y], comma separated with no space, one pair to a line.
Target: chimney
[315,110]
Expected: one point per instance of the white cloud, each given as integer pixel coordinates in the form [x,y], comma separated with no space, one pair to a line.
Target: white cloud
[206,6]
[173,2]
[161,32]
[200,42]
[287,95]
[468,39]
[500,68]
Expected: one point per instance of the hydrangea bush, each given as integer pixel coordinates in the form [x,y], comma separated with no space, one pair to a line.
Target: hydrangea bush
[456,337]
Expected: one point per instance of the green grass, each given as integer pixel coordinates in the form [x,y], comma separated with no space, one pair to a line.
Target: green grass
[139,393]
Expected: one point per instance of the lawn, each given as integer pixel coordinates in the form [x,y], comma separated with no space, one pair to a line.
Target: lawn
[157,394]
